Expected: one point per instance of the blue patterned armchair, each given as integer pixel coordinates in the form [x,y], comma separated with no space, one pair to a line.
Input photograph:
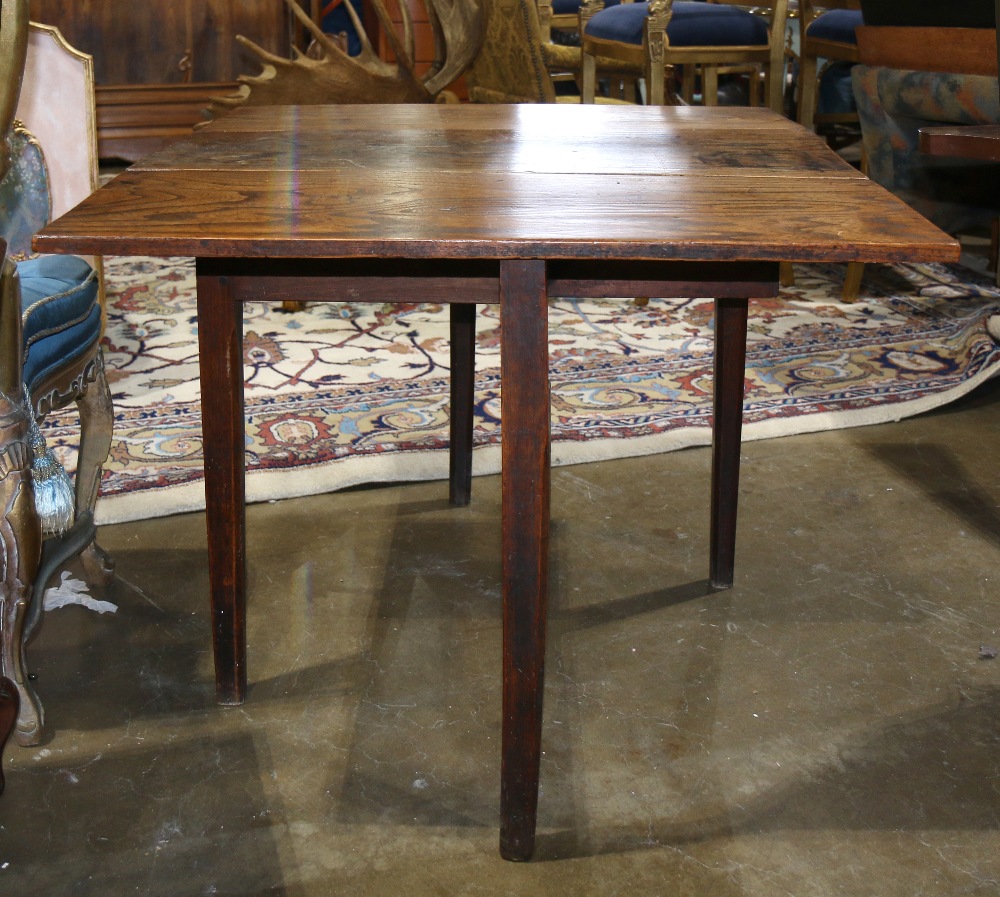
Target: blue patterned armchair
[893,105]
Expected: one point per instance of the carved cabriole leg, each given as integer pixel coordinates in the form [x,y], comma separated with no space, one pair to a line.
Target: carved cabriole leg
[21,539]
[20,528]
[96,422]
[9,705]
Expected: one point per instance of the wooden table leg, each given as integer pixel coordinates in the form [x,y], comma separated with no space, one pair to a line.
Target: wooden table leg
[524,360]
[463,381]
[9,706]
[220,339]
[730,373]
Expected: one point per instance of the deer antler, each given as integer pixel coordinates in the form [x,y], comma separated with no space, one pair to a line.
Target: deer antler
[459,28]
[335,77]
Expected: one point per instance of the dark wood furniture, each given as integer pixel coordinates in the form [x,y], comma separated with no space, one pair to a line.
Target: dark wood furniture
[9,705]
[50,352]
[970,51]
[980,142]
[157,64]
[498,204]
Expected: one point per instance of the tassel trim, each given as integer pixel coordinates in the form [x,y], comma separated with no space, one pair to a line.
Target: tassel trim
[54,500]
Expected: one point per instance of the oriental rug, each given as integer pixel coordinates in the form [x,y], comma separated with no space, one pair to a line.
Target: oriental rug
[343,394]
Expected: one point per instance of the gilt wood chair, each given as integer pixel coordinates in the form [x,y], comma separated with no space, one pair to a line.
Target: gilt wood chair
[515,65]
[700,36]
[564,57]
[561,15]
[20,530]
[828,33]
[50,332]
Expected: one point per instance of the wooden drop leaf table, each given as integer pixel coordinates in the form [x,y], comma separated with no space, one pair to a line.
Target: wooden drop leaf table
[464,205]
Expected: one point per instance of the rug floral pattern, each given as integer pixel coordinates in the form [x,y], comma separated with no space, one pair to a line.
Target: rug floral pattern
[340,394]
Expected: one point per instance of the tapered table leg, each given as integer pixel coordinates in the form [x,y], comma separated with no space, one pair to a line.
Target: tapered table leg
[730,373]
[220,338]
[9,706]
[525,511]
[463,379]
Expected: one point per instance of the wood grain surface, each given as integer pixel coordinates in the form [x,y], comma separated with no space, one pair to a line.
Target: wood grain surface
[556,182]
[487,204]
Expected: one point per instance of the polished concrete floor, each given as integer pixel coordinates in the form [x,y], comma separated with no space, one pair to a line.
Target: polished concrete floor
[826,727]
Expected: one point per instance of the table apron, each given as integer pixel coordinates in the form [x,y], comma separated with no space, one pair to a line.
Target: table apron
[478,282]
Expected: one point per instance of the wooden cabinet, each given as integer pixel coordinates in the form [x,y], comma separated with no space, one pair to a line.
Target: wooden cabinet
[156,64]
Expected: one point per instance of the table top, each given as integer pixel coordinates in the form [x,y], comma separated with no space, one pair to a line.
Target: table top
[527,181]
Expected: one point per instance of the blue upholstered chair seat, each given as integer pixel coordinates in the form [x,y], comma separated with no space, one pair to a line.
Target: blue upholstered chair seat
[836,25]
[693,24]
[60,311]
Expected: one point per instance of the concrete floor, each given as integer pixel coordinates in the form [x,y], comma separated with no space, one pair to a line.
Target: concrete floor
[827,727]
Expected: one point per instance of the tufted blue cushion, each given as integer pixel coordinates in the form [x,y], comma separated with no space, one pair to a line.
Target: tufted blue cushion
[60,313]
[694,24]
[836,25]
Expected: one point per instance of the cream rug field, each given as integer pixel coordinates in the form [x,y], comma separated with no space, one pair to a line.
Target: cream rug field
[339,395]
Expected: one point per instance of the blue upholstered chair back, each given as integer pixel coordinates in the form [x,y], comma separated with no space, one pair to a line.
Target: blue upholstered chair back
[24,194]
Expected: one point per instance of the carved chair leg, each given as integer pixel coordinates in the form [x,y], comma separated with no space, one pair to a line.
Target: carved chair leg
[96,423]
[21,541]
[9,705]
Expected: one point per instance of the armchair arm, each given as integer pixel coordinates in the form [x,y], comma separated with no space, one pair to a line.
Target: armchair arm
[13,51]
[20,528]
[545,20]
[10,328]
